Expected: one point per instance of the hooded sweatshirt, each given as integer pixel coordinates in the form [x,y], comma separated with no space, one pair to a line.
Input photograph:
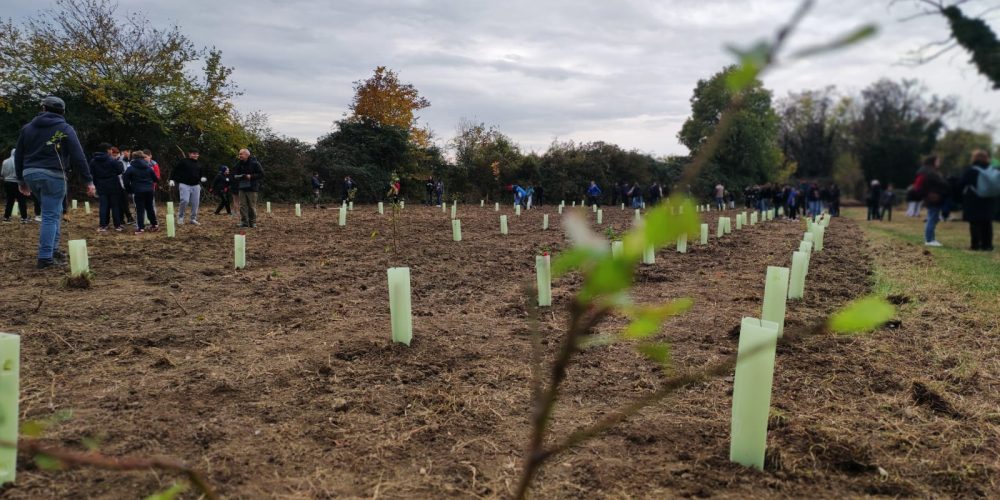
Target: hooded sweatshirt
[140,177]
[188,172]
[35,152]
[106,170]
[8,173]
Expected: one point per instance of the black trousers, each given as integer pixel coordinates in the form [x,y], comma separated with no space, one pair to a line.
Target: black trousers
[144,208]
[110,206]
[982,234]
[224,202]
[13,194]
[123,206]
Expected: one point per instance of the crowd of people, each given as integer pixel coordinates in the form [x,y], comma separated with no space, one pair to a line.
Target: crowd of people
[126,177]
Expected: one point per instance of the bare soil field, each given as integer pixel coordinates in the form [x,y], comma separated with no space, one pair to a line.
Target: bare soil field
[280,380]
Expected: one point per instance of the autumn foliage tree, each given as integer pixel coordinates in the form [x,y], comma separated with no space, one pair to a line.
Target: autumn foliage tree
[387,101]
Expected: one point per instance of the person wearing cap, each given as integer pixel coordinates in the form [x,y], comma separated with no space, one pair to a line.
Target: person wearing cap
[46,148]
[187,175]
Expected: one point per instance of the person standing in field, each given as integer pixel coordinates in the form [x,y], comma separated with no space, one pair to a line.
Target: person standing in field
[348,185]
[719,195]
[934,191]
[317,187]
[156,170]
[11,191]
[140,180]
[978,207]
[187,175]
[593,193]
[248,174]
[125,200]
[888,200]
[220,187]
[46,147]
[874,199]
[107,171]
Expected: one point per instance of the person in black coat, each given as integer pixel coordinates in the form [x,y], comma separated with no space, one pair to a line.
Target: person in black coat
[106,170]
[977,210]
[248,174]
[139,180]
[220,188]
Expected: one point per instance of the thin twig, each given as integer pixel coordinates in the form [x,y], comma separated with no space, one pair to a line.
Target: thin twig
[72,458]
[178,302]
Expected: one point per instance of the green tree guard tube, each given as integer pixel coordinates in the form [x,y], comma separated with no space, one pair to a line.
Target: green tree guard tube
[298,210]
[78,261]
[381,208]
[682,243]
[240,251]
[400,312]
[728,225]
[170,208]
[517,210]
[74,204]
[86,207]
[342,220]
[818,232]
[623,206]
[617,247]
[496,207]
[649,255]
[600,217]
[454,211]
[560,209]
[721,229]
[350,206]
[456,230]
[808,237]
[545,222]
[593,208]
[503,224]
[775,294]
[482,203]
[752,392]
[268,207]
[444,208]
[10,375]
[739,222]
[171,227]
[797,283]
[704,234]
[543,275]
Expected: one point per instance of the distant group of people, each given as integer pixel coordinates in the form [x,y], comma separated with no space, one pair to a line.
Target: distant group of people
[48,149]
[631,194]
[977,187]
[802,199]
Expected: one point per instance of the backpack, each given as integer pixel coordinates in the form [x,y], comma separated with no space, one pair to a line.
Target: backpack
[988,184]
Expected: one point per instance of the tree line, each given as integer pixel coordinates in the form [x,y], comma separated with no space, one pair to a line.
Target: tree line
[132,85]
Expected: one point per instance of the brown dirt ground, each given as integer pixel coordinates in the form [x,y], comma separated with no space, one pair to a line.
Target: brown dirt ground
[279,381]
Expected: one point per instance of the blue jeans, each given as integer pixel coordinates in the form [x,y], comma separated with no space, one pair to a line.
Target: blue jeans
[50,190]
[933,215]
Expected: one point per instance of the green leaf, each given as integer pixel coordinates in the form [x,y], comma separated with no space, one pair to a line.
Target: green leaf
[609,276]
[33,428]
[741,77]
[592,341]
[656,351]
[169,493]
[572,259]
[48,463]
[862,315]
[91,444]
[859,34]
[649,319]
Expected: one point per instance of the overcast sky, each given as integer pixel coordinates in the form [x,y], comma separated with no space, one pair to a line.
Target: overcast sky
[618,71]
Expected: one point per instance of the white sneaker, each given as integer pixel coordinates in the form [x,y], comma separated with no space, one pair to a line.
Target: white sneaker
[195,222]
[38,218]
[934,243]
[180,221]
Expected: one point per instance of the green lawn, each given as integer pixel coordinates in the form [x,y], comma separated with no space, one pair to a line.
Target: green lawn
[960,268]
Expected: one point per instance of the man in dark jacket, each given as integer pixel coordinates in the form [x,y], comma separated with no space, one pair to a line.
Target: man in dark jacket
[187,175]
[106,170]
[220,187]
[46,147]
[248,174]
[978,210]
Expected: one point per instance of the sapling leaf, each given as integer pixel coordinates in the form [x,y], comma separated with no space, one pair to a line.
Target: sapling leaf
[656,351]
[169,493]
[862,315]
[859,34]
[33,428]
[649,319]
[591,341]
[609,276]
[572,259]
[91,444]
[45,462]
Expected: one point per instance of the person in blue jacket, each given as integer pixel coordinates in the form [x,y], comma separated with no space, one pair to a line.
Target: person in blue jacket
[593,194]
[139,180]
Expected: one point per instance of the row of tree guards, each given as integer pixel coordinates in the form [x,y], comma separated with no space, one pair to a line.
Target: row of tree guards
[756,352]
